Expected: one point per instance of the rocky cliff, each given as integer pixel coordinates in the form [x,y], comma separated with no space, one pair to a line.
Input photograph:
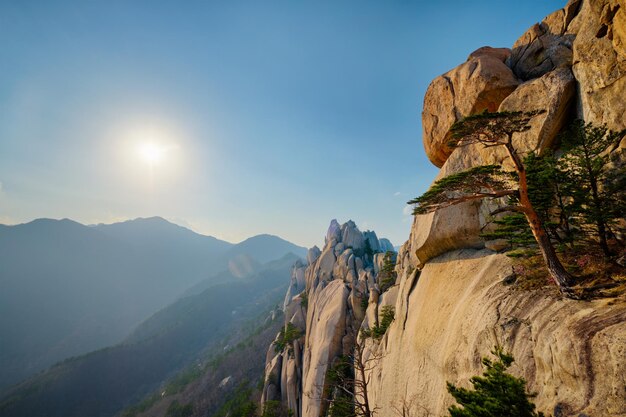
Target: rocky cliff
[324,307]
[451,297]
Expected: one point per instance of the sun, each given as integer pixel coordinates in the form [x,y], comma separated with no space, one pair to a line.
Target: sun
[151,153]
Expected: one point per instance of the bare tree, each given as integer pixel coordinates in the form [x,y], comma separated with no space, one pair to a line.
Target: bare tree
[410,407]
[351,383]
[345,389]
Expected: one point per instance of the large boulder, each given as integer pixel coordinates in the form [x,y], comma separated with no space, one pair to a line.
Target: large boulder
[600,62]
[553,92]
[351,237]
[444,230]
[481,83]
[313,254]
[460,226]
[546,45]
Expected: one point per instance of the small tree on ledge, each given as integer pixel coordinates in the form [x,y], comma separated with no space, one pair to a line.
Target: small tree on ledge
[489,181]
[496,393]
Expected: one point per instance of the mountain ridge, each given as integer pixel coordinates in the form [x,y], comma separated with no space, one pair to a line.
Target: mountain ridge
[69,288]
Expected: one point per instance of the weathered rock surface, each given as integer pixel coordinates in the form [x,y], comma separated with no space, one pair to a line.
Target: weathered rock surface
[572,353]
[326,299]
[454,299]
[552,92]
[481,83]
[545,46]
[453,227]
[600,61]
[326,321]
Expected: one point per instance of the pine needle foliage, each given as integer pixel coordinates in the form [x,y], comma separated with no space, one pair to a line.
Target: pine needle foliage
[496,129]
[491,129]
[595,189]
[287,335]
[388,273]
[478,182]
[495,394]
[387,316]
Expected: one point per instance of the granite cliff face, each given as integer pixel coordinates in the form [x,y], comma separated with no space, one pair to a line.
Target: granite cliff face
[326,302]
[451,305]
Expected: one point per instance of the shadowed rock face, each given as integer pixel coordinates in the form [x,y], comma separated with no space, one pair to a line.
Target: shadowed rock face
[545,46]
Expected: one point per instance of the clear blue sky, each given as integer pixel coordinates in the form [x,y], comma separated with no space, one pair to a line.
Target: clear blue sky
[272,116]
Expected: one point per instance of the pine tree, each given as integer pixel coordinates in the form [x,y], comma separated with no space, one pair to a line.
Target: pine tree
[488,181]
[596,192]
[495,394]
[546,195]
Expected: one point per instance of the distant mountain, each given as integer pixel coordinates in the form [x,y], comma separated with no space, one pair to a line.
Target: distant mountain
[104,382]
[67,288]
[266,247]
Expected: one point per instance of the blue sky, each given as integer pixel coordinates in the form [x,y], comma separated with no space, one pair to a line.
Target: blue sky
[276,116]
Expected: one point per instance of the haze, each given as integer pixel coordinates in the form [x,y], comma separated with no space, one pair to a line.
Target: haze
[277,116]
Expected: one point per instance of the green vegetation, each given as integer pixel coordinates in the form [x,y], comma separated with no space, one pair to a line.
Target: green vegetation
[543,184]
[252,334]
[287,335]
[304,299]
[339,379]
[387,315]
[179,410]
[470,184]
[596,194]
[239,403]
[274,409]
[544,195]
[495,394]
[388,274]
[364,302]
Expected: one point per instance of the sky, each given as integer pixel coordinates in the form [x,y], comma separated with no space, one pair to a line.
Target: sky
[232,118]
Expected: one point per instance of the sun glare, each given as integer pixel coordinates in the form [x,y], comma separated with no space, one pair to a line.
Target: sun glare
[151,153]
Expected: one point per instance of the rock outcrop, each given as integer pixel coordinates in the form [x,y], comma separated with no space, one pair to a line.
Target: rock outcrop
[573,354]
[480,83]
[326,302]
[453,297]
[600,62]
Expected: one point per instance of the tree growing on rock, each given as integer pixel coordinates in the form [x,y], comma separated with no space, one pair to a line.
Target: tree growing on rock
[496,393]
[490,181]
[596,192]
[348,381]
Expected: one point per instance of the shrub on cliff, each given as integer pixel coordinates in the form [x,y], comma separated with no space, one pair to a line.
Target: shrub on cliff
[495,394]
[287,335]
[388,274]
[387,316]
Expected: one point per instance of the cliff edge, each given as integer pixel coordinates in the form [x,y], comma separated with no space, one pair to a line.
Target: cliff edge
[453,298]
